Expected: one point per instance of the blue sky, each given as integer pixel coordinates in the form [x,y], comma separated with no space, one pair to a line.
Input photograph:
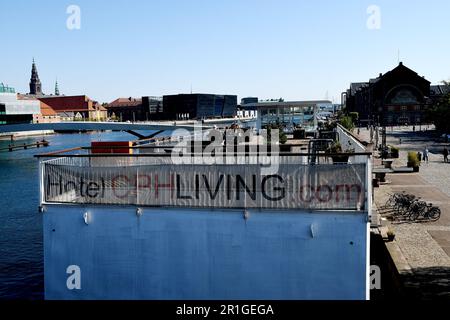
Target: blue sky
[295,49]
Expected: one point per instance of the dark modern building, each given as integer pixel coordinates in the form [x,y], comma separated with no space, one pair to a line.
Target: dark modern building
[199,106]
[249,100]
[153,107]
[136,109]
[400,96]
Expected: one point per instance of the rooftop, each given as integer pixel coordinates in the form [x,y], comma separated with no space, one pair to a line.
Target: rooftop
[6,89]
[288,103]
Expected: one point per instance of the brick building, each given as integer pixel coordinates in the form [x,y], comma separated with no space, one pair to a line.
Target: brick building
[400,96]
[82,107]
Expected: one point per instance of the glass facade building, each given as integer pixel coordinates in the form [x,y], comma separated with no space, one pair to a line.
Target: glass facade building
[289,114]
[13,110]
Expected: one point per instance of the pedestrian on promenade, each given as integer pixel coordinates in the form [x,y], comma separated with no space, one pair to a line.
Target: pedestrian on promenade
[425,155]
[445,154]
[419,156]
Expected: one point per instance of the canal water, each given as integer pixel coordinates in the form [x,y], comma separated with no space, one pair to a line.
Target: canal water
[21,243]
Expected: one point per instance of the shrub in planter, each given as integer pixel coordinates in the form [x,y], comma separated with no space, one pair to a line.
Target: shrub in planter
[413,161]
[391,235]
[335,149]
[395,152]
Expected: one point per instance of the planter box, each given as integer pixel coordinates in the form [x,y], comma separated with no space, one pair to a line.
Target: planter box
[340,159]
[412,165]
[299,134]
[285,148]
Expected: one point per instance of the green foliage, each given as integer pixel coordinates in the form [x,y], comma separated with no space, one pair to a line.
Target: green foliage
[413,159]
[395,152]
[330,126]
[354,116]
[281,135]
[336,147]
[347,123]
[439,114]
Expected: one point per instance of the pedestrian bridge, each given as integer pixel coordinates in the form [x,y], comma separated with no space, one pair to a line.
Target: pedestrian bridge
[120,126]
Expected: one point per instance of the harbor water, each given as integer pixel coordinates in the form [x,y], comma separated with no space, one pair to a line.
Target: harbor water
[21,241]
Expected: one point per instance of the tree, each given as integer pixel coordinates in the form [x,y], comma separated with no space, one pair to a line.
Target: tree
[439,114]
[347,123]
[281,135]
[354,116]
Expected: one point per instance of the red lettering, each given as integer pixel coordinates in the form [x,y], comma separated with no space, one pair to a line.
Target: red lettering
[328,195]
[358,190]
[310,193]
[144,182]
[126,187]
[338,194]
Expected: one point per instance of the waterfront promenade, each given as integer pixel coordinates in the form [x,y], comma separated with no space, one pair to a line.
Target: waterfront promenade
[421,251]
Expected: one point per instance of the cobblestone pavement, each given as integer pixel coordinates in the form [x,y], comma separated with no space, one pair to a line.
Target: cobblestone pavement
[425,246]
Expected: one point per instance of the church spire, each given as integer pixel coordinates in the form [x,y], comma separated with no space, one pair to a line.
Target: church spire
[56,88]
[35,83]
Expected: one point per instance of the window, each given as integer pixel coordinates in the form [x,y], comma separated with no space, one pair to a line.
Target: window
[404,108]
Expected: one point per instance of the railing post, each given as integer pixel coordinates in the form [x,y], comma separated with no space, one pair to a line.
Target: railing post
[41,183]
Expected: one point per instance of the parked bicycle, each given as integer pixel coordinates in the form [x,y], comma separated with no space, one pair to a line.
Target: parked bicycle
[411,208]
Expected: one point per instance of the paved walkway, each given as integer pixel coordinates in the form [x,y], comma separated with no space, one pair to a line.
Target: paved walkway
[424,246]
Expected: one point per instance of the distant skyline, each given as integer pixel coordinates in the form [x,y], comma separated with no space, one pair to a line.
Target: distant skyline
[297,50]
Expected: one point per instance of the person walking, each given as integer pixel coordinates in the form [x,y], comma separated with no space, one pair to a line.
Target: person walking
[425,155]
[445,154]
[419,156]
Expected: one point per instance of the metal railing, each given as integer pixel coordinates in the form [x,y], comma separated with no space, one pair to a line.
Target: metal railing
[248,180]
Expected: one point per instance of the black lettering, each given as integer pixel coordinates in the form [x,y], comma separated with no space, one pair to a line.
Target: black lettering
[228,187]
[197,186]
[81,187]
[179,195]
[216,190]
[70,185]
[264,186]
[241,182]
[92,186]
[50,184]
[103,187]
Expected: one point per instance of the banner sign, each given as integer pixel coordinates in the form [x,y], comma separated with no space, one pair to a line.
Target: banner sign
[294,186]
